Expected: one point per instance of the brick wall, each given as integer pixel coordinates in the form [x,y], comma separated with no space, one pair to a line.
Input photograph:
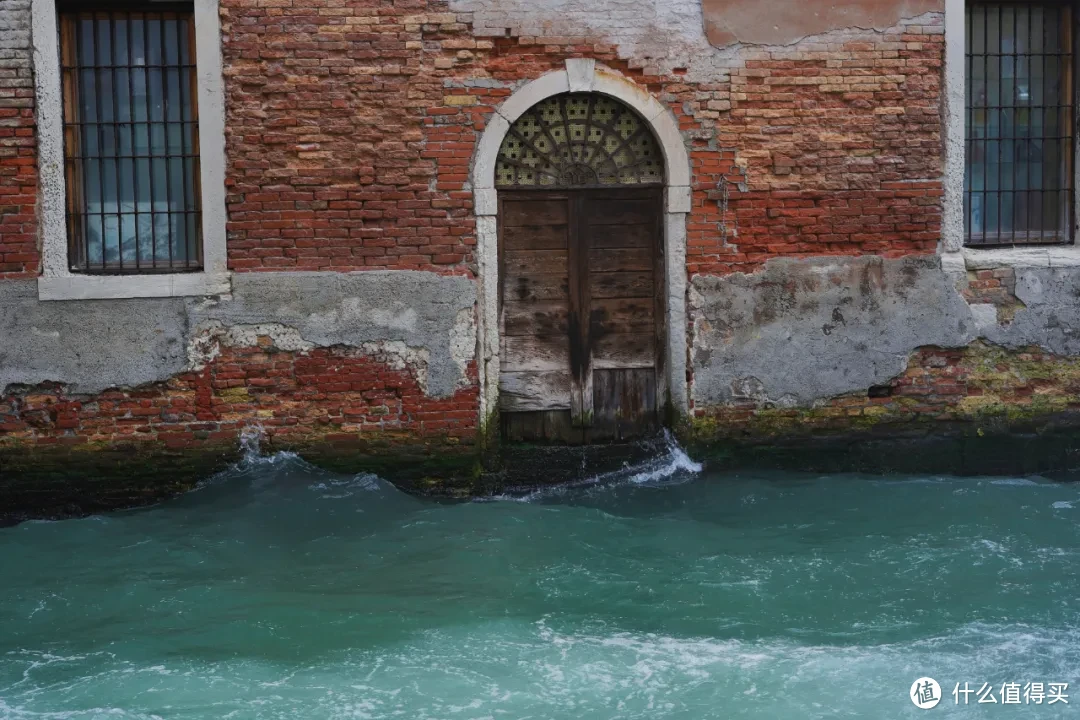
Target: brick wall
[331,165]
[352,127]
[982,384]
[840,144]
[994,286]
[18,171]
[324,395]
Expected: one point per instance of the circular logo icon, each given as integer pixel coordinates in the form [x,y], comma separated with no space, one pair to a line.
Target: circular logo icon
[925,693]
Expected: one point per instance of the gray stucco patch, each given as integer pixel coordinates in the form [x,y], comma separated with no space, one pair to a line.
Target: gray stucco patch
[803,330]
[417,309]
[94,345]
[90,346]
[1051,318]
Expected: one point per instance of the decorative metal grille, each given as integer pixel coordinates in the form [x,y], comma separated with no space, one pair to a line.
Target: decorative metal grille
[131,139]
[579,140]
[1018,184]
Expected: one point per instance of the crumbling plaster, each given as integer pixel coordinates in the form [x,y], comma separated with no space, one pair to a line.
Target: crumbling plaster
[416,319]
[802,331]
[663,35]
[780,22]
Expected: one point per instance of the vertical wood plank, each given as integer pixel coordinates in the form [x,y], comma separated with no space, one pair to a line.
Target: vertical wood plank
[660,307]
[626,263]
[624,403]
[580,350]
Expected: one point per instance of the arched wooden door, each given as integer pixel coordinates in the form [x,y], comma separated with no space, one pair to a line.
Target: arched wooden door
[581,256]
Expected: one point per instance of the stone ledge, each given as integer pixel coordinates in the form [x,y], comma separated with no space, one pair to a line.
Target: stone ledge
[1031,257]
[124,287]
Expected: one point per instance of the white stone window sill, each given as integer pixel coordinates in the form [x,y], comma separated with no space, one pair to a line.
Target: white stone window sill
[117,287]
[1062,256]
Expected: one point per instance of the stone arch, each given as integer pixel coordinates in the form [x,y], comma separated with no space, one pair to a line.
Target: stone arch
[583,75]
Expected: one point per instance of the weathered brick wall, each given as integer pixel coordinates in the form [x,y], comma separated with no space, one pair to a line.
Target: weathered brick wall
[18,171]
[840,142]
[324,395]
[994,286]
[329,163]
[981,384]
[352,127]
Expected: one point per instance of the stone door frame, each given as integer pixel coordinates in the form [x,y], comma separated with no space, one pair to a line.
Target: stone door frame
[583,75]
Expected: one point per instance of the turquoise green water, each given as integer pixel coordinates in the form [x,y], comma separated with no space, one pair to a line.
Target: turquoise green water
[282,591]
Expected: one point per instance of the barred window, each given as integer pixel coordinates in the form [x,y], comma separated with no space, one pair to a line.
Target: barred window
[1018,184]
[131,138]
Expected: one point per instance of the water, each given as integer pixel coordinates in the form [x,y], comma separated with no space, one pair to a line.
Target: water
[278,590]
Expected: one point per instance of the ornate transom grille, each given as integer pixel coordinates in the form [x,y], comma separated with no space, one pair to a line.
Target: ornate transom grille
[578,140]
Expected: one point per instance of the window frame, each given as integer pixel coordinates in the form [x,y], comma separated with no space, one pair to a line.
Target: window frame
[57,281]
[1022,239]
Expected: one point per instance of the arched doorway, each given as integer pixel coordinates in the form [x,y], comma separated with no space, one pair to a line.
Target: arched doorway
[580,180]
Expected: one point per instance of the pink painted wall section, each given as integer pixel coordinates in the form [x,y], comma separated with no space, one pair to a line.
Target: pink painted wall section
[780,22]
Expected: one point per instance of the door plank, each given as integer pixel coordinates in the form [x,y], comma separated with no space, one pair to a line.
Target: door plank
[622,284]
[534,262]
[623,315]
[621,259]
[516,213]
[624,350]
[535,318]
[535,237]
[624,403]
[536,353]
[622,236]
[537,288]
[620,211]
[550,426]
[530,391]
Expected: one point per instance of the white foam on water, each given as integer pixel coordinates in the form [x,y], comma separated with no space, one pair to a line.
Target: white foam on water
[338,488]
[1019,482]
[251,439]
[672,463]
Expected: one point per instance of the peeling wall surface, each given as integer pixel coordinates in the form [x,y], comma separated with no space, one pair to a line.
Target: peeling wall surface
[667,33]
[803,331]
[88,345]
[1049,316]
[699,36]
[799,331]
[785,21]
[418,318]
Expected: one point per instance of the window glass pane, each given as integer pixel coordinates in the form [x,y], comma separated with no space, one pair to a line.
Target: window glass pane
[131,141]
[1019,148]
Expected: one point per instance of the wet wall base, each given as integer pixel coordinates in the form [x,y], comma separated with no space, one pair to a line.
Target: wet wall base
[59,482]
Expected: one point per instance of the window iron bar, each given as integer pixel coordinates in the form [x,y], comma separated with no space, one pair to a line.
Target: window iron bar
[1018,186]
[132,162]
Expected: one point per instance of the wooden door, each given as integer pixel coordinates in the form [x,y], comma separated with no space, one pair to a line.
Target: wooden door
[580,302]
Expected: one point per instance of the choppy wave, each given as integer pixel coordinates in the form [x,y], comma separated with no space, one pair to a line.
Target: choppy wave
[546,669]
[670,465]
